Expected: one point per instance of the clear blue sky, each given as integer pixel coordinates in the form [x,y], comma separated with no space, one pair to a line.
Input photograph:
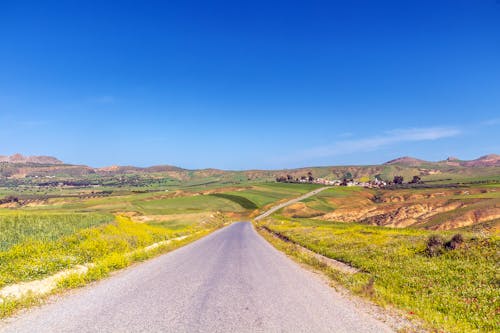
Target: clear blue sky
[249,84]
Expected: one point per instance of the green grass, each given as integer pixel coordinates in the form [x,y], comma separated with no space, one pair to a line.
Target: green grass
[321,201]
[268,193]
[17,227]
[242,201]
[58,233]
[144,203]
[189,204]
[457,291]
[175,224]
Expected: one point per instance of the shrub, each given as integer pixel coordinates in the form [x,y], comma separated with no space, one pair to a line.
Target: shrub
[455,242]
[434,246]
[369,288]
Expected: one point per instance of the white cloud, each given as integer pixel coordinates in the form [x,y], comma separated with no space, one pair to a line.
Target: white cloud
[379,141]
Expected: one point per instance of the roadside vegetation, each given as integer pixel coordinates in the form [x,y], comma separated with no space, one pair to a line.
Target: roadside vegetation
[17,227]
[34,259]
[100,251]
[47,236]
[448,280]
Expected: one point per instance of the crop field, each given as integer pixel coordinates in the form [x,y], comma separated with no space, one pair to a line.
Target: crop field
[57,233]
[322,201]
[18,227]
[32,259]
[265,194]
[187,204]
[455,289]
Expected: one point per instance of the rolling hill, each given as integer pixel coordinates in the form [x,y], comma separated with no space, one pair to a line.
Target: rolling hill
[21,167]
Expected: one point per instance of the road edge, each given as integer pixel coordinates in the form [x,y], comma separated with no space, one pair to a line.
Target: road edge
[393,317]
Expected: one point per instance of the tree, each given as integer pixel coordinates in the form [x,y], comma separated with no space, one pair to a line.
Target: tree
[310,176]
[416,180]
[398,180]
[348,175]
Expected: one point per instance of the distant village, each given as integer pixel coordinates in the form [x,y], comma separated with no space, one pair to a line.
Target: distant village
[374,183]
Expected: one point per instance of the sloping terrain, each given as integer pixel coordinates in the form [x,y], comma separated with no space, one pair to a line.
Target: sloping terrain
[18,158]
[45,169]
[435,209]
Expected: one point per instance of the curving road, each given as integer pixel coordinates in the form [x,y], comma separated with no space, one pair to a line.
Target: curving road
[229,281]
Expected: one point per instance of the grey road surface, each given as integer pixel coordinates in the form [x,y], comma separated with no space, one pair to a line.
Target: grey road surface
[229,281]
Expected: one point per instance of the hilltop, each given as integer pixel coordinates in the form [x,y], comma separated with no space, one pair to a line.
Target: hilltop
[407,160]
[24,168]
[19,158]
[483,161]
[487,160]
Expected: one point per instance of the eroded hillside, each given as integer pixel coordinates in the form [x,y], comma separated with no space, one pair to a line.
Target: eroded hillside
[435,209]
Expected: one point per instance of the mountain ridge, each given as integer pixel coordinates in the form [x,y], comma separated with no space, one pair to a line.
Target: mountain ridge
[22,159]
[21,167]
[483,161]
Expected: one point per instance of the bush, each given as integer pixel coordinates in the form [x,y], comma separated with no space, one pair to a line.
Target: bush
[434,246]
[369,288]
[455,242]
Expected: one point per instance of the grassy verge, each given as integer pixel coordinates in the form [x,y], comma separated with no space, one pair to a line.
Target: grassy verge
[100,269]
[457,290]
[35,259]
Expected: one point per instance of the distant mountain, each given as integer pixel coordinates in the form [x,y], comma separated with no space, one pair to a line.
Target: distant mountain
[19,167]
[483,161]
[117,169]
[18,158]
[406,160]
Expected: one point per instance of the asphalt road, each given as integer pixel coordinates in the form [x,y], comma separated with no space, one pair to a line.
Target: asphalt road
[229,281]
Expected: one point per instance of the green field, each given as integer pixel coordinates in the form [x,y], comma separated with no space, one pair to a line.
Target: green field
[268,193]
[187,204]
[457,291]
[60,232]
[36,258]
[321,201]
[18,227]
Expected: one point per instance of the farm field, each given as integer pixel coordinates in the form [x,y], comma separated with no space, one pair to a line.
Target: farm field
[42,235]
[48,235]
[451,287]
